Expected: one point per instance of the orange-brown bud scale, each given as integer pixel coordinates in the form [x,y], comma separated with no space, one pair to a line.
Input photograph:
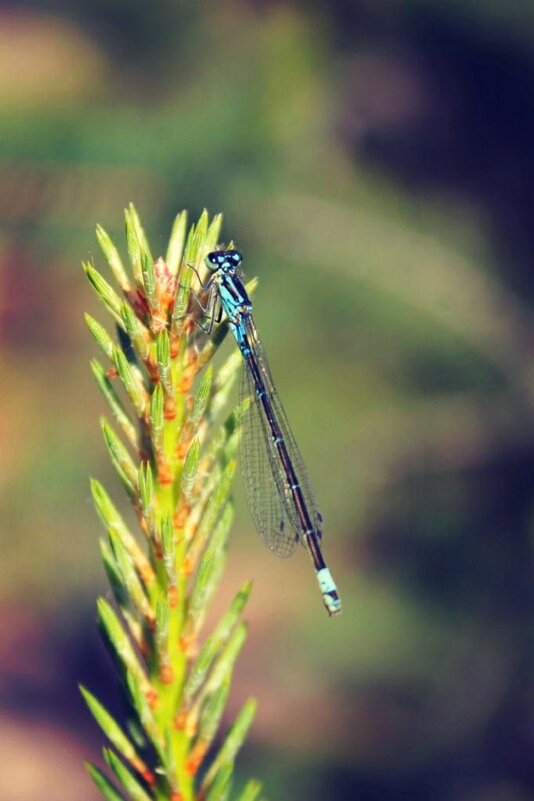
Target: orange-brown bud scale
[149,778]
[191,358]
[111,372]
[176,796]
[191,724]
[184,441]
[158,322]
[185,384]
[147,575]
[142,521]
[152,369]
[144,436]
[188,644]
[143,771]
[188,378]
[139,303]
[173,596]
[188,566]
[166,674]
[181,515]
[191,369]
[195,758]
[180,720]
[169,408]
[145,648]
[175,346]
[166,283]
[192,530]
[152,698]
[164,473]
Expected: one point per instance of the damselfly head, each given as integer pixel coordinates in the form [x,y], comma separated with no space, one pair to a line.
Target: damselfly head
[223,259]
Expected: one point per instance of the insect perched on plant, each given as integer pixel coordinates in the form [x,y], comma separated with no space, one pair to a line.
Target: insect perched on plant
[277,486]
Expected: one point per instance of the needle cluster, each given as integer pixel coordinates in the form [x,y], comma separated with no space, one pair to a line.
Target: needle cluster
[176,462]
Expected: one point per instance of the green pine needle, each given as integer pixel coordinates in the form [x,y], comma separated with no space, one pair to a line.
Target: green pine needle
[251,791]
[107,789]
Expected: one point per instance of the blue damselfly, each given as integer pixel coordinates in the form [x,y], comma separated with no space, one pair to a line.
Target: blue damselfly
[277,486]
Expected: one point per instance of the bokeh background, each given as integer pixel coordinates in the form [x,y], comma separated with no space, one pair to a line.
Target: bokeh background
[375,163]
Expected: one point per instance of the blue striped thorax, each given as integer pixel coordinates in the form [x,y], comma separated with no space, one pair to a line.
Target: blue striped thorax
[224,265]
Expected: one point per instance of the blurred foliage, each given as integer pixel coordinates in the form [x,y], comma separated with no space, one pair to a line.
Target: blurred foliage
[374,161]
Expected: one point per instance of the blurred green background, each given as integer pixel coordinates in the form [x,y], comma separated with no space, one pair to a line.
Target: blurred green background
[375,164]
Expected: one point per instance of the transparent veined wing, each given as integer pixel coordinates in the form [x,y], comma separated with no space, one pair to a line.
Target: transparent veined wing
[260,479]
[267,479]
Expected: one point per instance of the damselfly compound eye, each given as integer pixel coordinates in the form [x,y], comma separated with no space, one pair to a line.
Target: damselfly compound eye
[234,257]
[214,260]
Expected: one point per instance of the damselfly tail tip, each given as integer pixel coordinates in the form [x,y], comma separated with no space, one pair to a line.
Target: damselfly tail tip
[332,602]
[328,588]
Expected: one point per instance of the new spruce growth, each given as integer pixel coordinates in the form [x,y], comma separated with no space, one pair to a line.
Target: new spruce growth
[176,462]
